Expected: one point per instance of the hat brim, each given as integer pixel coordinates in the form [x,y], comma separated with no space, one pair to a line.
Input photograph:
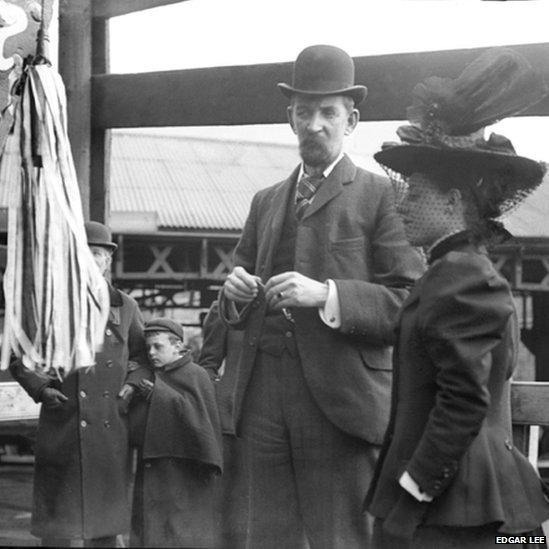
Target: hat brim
[111,246]
[358,93]
[409,159]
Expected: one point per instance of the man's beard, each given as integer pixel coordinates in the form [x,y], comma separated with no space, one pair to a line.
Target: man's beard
[314,153]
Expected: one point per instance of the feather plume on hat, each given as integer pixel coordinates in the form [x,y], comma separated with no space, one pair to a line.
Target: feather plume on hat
[447,123]
[497,84]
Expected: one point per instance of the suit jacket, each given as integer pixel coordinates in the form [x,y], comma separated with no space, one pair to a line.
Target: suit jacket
[82,452]
[450,424]
[351,234]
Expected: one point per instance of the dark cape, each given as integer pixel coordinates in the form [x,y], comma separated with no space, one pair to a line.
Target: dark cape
[178,461]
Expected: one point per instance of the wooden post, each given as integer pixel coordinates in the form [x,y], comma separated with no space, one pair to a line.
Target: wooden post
[75,47]
[540,329]
[100,152]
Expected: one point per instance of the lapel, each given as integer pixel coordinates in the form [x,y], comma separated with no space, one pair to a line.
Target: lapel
[343,174]
[276,214]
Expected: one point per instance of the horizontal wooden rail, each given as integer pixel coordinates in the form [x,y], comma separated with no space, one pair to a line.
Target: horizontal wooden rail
[103,9]
[530,403]
[248,94]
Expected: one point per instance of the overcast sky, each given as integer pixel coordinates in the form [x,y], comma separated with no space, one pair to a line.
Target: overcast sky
[201,33]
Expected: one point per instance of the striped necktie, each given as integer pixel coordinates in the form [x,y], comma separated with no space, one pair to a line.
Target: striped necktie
[306,189]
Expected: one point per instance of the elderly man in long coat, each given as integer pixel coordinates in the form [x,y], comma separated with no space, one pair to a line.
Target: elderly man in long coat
[83,466]
[322,268]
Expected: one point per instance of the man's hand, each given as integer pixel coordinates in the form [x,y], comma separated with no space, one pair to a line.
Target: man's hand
[125,395]
[241,286]
[127,392]
[293,289]
[146,387]
[52,398]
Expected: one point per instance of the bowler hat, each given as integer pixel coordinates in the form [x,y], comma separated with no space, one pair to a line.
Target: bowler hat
[324,70]
[164,325]
[99,235]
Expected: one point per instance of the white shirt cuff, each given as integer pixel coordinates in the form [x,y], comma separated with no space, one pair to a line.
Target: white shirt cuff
[330,314]
[411,486]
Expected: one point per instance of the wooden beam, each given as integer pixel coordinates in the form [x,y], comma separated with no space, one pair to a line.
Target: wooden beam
[113,8]
[75,55]
[100,145]
[529,403]
[248,94]
[540,306]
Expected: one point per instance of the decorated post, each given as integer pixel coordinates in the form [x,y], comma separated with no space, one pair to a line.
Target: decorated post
[56,298]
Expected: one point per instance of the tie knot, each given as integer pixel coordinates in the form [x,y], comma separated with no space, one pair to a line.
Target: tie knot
[306,189]
[307,186]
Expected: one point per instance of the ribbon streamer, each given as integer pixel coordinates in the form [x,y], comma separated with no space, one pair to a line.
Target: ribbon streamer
[57,301]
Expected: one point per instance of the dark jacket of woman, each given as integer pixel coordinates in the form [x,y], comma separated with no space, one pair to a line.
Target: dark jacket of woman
[82,459]
[450,425]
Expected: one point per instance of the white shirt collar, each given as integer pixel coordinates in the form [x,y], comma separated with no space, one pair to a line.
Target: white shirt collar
[326,172]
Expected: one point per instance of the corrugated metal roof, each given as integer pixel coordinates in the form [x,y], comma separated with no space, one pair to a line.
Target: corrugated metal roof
[192,183]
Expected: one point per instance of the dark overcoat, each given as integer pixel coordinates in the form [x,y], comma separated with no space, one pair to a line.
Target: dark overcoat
[82,460]
[351,234]
[174,494]
[450,425]
[221,347]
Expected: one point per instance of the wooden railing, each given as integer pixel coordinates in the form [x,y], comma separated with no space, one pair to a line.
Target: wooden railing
[530,411]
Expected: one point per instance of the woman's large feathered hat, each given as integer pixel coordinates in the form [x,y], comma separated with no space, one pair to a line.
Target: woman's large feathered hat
[448,117]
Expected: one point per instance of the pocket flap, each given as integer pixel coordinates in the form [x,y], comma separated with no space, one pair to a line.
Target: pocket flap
[377,358]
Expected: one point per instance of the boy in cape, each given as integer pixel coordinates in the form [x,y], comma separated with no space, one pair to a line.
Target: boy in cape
[175,426]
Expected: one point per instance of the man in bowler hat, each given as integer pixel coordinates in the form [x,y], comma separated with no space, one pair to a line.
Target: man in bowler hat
[82,457]
[322,268]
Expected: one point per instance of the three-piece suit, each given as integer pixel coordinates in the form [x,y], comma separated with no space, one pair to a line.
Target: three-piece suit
[312,402]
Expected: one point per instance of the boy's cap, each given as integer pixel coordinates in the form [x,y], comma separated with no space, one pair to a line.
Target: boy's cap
[164,325]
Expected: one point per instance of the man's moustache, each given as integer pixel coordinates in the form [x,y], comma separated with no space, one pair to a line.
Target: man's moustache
[312,143]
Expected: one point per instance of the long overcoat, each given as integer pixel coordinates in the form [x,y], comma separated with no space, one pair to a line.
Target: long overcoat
[450,425]
[352,234]
[82,458]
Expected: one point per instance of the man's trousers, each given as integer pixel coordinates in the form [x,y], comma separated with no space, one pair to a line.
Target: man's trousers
[308,479]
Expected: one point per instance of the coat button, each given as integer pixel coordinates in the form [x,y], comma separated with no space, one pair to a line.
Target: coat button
[107,423]
[289,334]
[437,485]
[109,363]
[106,394]
[83,394]
[83,423]
[148,465]
[108,332]
[508,444]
